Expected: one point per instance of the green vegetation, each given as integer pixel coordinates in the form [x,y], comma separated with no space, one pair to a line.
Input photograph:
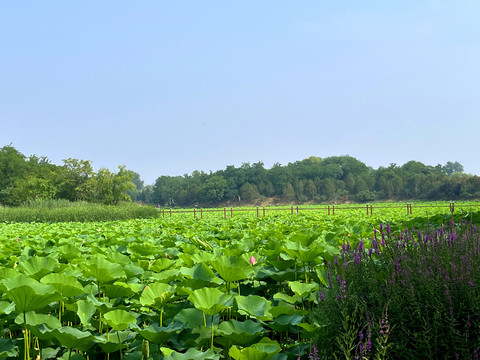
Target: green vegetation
[409,295]
[64,210]
[25,179]
[335,179]
[177,288]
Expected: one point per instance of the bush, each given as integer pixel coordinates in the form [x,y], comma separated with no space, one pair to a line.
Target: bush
[409,296]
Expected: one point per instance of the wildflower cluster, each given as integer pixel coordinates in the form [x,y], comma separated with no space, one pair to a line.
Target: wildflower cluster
[412,294]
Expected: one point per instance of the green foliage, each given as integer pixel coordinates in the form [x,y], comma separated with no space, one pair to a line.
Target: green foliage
[172,287]
[411,295]
[63,210]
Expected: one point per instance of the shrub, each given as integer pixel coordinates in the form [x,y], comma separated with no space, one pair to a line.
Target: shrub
[413,295]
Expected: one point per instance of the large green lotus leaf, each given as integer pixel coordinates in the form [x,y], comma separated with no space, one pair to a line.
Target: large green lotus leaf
[29,294]
[232,268]
[118,258]
[302,254]
[103,270]
[66,285]
[133,270]
[287,298]
[143,250]
[37,267]
[6,273]
[265,349]
[210,300]
[120,289]
[285,322]
[158,335]
[41,325]
[192,318]
[191,354]
[8,349]
[73,338]
[85,311]
[102,306]
[238,332]
[190,260]
[115,340]
[119,320]
[6,307]
[161,264]
[255,306]
[156,295]
[166,276]
[71,356]
[302,289]
[278,275]
[199,271]
[69,252]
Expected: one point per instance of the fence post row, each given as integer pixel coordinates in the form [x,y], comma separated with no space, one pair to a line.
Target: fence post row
[296,209]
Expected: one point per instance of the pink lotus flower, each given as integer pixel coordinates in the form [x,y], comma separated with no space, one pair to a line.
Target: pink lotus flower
[253,261]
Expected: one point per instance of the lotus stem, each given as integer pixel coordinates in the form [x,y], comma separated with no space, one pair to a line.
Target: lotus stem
[212,332]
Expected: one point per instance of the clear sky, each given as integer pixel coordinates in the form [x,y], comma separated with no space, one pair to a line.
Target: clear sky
[169,87]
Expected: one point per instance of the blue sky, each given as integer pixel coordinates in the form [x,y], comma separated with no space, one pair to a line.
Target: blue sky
[167,88]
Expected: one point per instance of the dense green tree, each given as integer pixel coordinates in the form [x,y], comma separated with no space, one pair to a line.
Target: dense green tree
[214,189]
[310,190]
[451,168]
[249,192]
[13,166]
[76,174]
[288,193]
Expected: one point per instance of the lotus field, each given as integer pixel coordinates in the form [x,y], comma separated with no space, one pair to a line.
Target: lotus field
[244,288]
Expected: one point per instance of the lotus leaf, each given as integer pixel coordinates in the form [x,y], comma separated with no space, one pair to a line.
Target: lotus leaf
[119,320]
[103,270]
[66,285]
[37,267]
[265,349]
[8,348]
[191,354]
[210,300]
[6,307]
[85,311]
[157,334]
[156,295]
[255,306]
[239,332]
[29,294]
[232,268]
[72,338]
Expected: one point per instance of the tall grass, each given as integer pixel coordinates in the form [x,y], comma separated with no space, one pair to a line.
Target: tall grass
[413,295]
[66,211]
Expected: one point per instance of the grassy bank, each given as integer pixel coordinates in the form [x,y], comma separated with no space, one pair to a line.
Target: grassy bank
[66,211]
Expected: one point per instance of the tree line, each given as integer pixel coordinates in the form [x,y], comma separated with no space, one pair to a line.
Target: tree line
[332,179]
[24,179]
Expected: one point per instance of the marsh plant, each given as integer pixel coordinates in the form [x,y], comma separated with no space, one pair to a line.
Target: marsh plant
[410,295]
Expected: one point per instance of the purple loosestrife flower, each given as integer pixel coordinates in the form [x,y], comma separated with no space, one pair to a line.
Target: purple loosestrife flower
[335,261]
[389,231]
[470,282]
[369,341]
[475,355]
